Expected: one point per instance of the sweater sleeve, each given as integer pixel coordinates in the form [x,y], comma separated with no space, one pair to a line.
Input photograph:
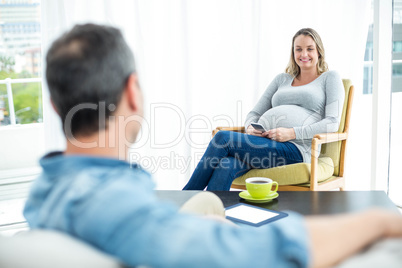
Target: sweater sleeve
[334,99]
[265,102]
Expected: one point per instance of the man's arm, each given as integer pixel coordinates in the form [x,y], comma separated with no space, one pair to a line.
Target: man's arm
[126,220]
[334,238]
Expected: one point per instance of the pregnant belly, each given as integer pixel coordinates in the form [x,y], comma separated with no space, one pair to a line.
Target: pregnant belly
[288,116]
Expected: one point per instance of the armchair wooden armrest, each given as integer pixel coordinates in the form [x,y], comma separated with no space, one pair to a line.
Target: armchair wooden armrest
[316,141]
[330,137]
[235,129]
[321,139]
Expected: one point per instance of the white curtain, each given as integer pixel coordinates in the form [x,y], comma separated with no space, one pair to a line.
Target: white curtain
[204,64]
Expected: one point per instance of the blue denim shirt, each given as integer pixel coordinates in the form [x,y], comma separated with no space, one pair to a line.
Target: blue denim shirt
[113,207]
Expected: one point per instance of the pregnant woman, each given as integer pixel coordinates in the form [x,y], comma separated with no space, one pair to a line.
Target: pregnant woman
[304,101]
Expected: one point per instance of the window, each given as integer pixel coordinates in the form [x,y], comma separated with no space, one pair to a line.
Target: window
[20,63]
[397,70]
[397,46]
[396,55]
[21,130]
[395,168]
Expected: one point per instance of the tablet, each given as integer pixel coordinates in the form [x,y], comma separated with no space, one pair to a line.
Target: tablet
[252,215]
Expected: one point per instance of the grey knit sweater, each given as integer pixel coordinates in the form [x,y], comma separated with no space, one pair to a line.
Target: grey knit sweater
[309,109]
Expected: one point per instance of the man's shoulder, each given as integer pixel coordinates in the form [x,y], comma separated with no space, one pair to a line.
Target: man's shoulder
[108,178]
[65,188]
[58,164]
[78,177]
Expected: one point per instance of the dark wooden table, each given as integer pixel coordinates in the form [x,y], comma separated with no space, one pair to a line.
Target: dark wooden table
[305,203]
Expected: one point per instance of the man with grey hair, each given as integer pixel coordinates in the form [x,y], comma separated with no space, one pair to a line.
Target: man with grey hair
[89,193]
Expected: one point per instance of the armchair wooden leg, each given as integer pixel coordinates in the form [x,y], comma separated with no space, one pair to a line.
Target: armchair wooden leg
[342,186]
[314,164]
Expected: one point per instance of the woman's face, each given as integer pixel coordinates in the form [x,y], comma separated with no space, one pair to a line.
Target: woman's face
[305,52]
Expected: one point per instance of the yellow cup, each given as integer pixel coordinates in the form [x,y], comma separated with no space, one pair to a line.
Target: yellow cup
[259,187]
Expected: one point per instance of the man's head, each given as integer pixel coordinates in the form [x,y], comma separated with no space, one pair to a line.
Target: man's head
[87,71]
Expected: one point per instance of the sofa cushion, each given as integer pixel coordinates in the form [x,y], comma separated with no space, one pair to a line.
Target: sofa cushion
[40,248]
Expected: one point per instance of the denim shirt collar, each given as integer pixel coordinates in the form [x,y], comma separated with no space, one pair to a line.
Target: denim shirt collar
[58,160]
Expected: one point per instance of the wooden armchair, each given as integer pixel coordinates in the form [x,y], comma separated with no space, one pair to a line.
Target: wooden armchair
[326,171]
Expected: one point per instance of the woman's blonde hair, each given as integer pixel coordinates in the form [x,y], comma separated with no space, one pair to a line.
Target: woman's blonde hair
[294,69]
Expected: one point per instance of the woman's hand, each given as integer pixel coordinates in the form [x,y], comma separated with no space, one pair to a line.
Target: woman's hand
[252,131]
[280,134]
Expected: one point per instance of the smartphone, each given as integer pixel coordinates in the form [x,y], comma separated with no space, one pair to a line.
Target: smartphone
[258,127]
